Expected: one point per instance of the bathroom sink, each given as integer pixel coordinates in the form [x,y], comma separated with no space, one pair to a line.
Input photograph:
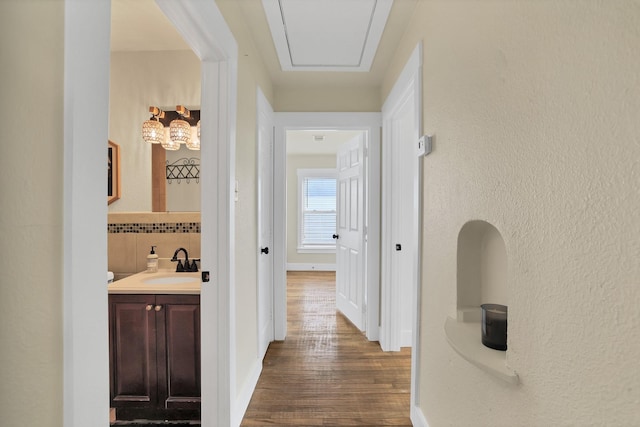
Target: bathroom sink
[170,280]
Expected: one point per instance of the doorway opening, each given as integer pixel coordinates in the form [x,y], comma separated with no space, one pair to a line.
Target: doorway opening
[300,134]
[86,97]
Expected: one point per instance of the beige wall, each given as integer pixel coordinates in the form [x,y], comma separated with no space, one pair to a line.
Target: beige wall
[139,80]
[31,190]
[534,107]
[251,75]
[328,99]
[295,162]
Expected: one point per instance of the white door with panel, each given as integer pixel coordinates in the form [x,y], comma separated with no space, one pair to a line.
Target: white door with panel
[404,212]
[350,233]
[265,224]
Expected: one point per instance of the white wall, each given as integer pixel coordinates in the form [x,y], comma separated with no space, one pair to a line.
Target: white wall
[534,107]
[139,80]
[31,190]
[295,162]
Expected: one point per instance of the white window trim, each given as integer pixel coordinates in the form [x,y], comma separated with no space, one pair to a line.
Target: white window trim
[312,173]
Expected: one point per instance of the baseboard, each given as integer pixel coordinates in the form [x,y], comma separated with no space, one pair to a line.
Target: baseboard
[242,402]
[406,338]
[310,267]
[417,417]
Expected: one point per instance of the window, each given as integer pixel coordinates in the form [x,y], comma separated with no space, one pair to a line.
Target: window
[316,210]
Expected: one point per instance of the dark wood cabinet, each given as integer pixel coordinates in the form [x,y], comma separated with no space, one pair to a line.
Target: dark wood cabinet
[154,356]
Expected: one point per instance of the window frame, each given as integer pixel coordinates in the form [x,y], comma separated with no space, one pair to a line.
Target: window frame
[302,175]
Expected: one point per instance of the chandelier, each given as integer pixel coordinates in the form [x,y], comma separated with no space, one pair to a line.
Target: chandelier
[180,127]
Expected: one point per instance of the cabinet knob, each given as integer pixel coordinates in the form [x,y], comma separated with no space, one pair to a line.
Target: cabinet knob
[149,307]
[158,307]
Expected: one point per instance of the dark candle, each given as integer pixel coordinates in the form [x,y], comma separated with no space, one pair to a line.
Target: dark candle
[494,326]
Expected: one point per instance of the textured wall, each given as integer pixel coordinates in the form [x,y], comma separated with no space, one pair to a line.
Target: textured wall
[31,183]
[534,106]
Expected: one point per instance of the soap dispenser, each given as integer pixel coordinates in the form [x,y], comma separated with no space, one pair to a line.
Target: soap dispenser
[152,261]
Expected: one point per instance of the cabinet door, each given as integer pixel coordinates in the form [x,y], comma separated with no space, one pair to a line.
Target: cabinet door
[132,351]
[178,352]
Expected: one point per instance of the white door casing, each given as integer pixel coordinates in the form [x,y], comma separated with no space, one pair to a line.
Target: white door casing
[265,224]
[86,93]
[407,90]
[350,234]
[203,27]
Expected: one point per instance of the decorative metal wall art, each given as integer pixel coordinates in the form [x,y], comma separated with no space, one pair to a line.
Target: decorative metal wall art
[184,168]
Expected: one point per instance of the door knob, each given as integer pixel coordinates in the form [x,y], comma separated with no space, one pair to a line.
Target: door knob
[158,307]
[149,307]
[336,236]
[264,251]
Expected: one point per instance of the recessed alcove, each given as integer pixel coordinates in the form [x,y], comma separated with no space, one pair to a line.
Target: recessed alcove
[481,278]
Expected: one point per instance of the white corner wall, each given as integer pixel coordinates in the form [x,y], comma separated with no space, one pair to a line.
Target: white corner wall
[534,107]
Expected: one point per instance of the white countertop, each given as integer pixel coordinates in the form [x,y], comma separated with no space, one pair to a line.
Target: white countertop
[137,283]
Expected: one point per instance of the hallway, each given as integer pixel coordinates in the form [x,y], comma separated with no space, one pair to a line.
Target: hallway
[326,373]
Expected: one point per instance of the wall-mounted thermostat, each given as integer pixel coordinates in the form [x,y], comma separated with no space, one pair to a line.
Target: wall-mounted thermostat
[425,145]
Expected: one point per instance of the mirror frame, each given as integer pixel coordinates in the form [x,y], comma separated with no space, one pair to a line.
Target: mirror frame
[113,172]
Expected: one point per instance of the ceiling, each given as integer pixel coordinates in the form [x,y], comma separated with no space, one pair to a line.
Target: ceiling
[318,141]
[320,37]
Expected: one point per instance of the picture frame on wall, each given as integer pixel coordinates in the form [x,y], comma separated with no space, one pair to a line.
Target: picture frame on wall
[113,174]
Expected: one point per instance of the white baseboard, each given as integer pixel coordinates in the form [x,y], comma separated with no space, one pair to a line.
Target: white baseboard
[310,267]
[417,417]
[242,402]
[406,338]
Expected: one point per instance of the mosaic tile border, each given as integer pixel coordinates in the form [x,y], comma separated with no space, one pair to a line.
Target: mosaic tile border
[161,227]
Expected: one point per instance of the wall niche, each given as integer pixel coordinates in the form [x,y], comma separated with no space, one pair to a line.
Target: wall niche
[481,278]
[482,269]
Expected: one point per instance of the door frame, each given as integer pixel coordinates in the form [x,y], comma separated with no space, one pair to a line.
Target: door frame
[409,82]
[86,96]
[372,124]
[264,117]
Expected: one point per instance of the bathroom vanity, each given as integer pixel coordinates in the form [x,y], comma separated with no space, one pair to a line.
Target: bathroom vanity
[154,346]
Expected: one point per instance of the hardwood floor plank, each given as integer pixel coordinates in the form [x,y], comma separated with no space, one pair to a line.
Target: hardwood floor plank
[326,373]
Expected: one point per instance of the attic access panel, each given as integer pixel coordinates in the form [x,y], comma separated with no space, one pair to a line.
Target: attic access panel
[326,35]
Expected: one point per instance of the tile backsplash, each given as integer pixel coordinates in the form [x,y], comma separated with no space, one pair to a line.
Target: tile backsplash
[130,236]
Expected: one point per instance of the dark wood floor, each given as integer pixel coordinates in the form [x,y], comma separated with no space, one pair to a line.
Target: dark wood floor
[326,373]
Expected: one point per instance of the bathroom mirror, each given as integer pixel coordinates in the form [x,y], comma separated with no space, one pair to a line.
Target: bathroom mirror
[139,80]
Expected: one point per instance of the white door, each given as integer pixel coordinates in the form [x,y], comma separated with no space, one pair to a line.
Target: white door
[350,268]
[404,164]
[265,224]
[401,208]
